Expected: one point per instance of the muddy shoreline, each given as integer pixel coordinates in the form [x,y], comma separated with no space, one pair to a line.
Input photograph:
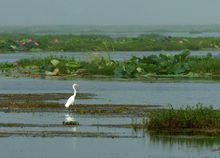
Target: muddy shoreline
[135,127]
[82,109]
[43,96]
[49,102]
[23,125]
[62,134]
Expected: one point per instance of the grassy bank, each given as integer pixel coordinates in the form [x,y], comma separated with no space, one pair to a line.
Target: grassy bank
[174,66]
[34,43]
[188,120]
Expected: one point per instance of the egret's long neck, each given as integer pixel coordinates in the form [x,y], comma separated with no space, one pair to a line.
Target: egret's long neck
[74,91]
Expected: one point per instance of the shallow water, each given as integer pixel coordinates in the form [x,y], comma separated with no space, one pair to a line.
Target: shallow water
[100,148]
[193,35]
[113,92]
[12,57]
[123,92]
[87,123]
[145,146]
[137,34]
[57,118]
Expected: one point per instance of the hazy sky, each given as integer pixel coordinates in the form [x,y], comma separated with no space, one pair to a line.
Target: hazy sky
[109,12]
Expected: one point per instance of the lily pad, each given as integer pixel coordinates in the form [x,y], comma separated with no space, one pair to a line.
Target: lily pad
[55,62]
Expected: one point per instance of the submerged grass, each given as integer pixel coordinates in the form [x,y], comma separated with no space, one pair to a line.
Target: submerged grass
[194,118]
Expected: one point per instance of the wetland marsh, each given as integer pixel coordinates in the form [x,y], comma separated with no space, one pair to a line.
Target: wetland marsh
[108,114]
[120,105]
[109,79]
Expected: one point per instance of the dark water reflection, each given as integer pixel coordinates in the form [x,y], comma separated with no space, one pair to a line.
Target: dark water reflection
[190,141]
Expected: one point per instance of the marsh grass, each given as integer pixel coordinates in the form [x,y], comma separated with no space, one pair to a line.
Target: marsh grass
[72,43]
[206,65]
[196,117]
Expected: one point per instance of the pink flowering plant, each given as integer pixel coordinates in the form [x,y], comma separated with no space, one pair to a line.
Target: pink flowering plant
[27,44]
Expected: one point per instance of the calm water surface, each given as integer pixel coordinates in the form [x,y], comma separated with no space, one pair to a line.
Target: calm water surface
[145,146]
[123,92]
[113,92]
[12,57]
[103,148]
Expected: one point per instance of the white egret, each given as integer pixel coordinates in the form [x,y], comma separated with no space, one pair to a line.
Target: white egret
[71,99]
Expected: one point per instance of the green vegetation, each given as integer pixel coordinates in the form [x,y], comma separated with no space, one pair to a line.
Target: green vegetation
[197,117]
[151,42]
[180,65]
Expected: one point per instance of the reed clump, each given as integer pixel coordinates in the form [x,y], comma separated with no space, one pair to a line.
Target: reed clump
[196,117]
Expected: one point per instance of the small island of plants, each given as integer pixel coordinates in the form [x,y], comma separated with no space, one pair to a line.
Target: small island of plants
[163,66]
[189,120]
